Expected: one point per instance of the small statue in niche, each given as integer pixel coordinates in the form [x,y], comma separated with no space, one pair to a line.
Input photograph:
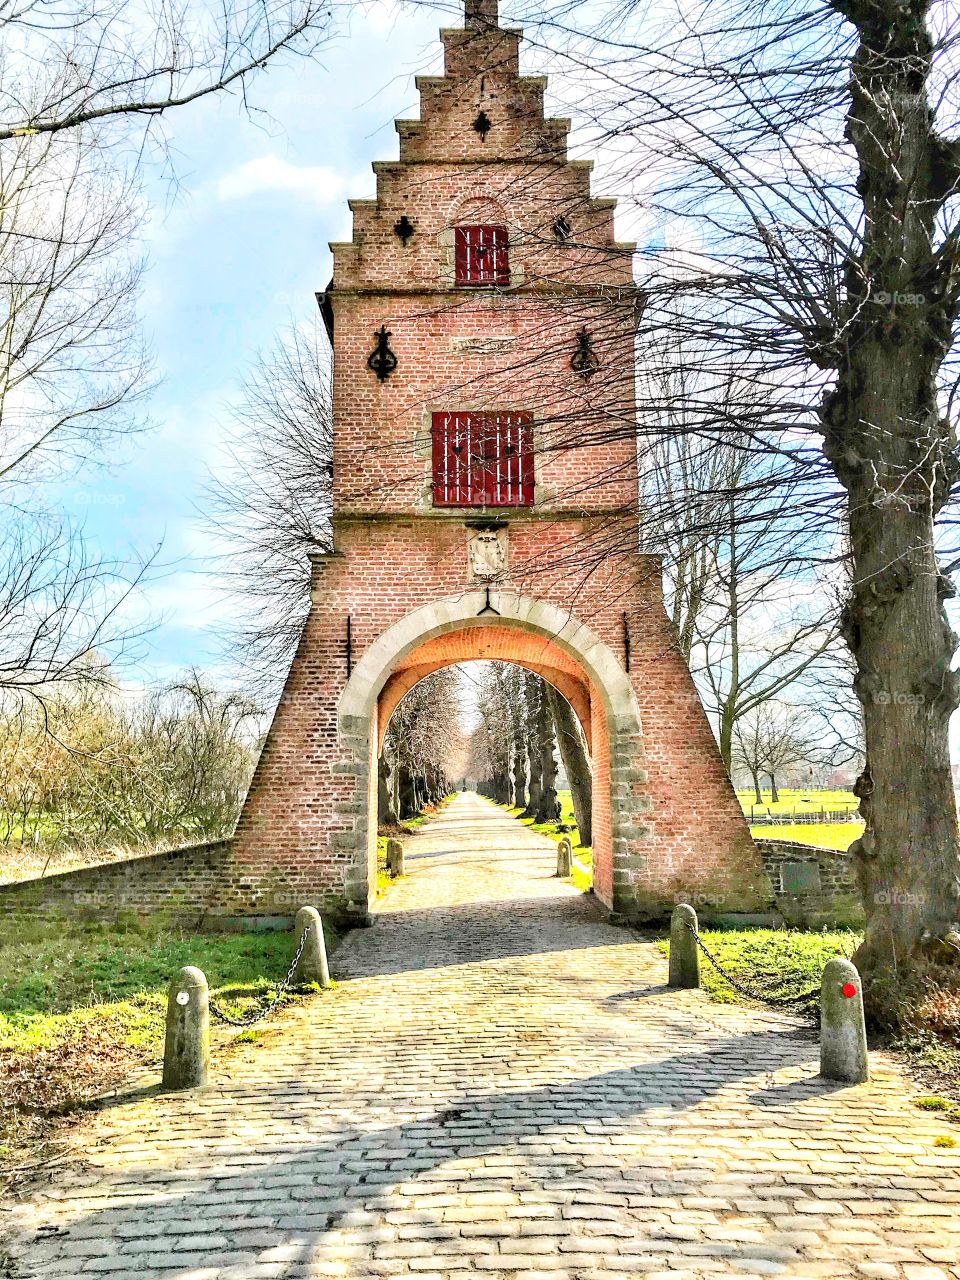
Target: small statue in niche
[487,554]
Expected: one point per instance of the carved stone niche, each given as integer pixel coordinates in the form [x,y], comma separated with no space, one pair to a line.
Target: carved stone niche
[488,552]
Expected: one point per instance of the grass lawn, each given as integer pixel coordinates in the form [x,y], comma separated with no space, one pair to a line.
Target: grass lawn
[779,962]
[83,1004]
[795,801]
[823,835]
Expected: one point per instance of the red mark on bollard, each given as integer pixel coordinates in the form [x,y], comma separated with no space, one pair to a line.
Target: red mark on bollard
[849,989]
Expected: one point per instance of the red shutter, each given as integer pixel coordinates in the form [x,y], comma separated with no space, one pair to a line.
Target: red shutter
[482,459]
[481,255]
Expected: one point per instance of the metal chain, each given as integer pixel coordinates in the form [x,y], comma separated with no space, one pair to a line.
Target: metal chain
[741,988]
[248,1019]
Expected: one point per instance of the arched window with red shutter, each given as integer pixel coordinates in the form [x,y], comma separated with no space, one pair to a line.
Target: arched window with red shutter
[481,255]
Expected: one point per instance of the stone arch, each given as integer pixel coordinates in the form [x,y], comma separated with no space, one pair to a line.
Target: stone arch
[403,681]
[523,629]
[477,209]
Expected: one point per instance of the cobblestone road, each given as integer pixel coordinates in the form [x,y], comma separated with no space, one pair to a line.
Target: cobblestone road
[501,1085]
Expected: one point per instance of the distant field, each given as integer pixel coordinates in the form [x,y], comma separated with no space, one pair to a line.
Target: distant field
[823,835]
[796,801]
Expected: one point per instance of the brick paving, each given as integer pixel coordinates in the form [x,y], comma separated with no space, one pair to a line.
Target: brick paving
[501,1085]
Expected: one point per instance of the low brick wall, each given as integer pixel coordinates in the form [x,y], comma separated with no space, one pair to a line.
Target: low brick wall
[180,882]
[204,885]
[811,887]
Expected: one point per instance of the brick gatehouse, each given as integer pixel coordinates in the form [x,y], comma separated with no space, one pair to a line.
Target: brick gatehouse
[483,319]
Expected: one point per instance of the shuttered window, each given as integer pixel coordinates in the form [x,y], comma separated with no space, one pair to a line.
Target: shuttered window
[481,255]
[483,459]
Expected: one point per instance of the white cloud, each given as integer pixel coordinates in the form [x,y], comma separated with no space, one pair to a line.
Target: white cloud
[270,173]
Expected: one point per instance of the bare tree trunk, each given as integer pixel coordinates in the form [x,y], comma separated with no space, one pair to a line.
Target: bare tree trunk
[897,458]
[386,813]
[519,769]
[774,793]
[501,788]
[549,810]
[758,796]
[576,764]
[408,794]
[533,697]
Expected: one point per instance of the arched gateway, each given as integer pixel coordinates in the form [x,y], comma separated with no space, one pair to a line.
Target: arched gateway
[482,320]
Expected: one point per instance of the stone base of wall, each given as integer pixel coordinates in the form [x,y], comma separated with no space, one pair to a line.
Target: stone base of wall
[812,887]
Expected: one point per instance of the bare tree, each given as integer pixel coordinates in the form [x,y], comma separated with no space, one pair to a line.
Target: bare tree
[64,66]
[514,746]
[576,763]
[73,364]
[532,702]
[772,739]
[750,615]
[72,370]
[424,743]
[60,611]
[804,158]
[269,499]
[492,741]
[84,768]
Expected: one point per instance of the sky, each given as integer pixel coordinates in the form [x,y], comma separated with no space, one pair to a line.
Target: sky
[237,247]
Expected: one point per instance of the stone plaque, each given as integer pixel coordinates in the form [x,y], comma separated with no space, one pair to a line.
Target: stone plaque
[799,877]
[487,554]
[481,346]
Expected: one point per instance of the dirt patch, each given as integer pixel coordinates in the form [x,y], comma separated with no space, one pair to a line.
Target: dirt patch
[41,1091]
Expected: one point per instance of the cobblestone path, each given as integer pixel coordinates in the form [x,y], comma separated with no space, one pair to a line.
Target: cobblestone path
[501,1085]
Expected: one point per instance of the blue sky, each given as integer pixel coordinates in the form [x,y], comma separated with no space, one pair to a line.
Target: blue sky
[236,251]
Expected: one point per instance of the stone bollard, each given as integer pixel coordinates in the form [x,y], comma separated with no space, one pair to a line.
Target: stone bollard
[312,965]
[564,857]
[684,952]
[394,858]
[186,1051]
[843,1032]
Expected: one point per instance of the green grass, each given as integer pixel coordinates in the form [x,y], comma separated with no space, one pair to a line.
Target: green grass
[60,980]
[83,1005]
[933,1102]
[567,819]
[779,962]
[821,835]
[797,800]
